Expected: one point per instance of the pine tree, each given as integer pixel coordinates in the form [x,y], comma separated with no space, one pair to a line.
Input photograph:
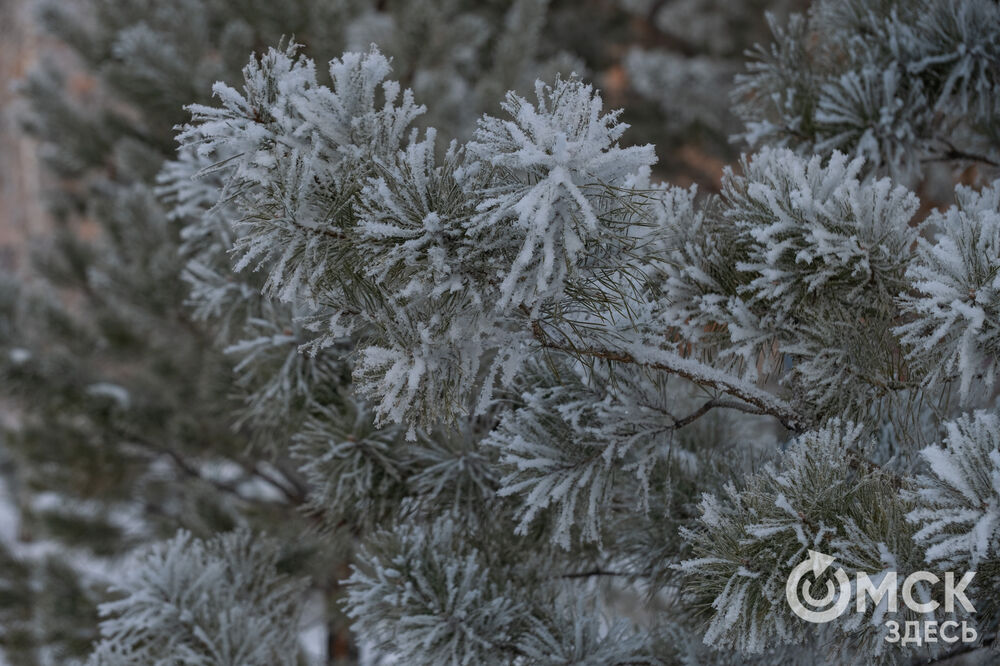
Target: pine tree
[133,418]
[524,402]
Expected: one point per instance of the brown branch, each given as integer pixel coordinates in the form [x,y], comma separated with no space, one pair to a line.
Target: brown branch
[960,650]
[955,153]
[596,571]
[714,404]
[859,463]
[757,398]
[188,469]
[292,493]
[291,477]
[317,231]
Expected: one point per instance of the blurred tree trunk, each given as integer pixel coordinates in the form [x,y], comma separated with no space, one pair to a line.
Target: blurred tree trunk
[21,212]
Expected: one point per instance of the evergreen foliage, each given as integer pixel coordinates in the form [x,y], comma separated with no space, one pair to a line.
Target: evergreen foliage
[190,601]
[895,82]
[497,392]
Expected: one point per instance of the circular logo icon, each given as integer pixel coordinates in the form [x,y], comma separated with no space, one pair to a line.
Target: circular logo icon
[834,600]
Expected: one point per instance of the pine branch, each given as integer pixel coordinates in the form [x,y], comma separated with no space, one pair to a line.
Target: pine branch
[691,370]
[954,153]
[716,404]
[956,653]
[859,463]
[292,493]
[190,470]
[597,571]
